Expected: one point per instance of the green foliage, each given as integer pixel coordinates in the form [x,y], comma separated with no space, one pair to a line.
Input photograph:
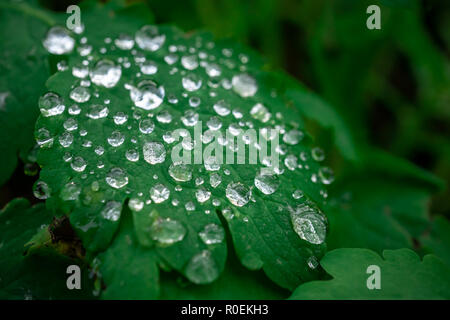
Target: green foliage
[27,273]
[130,246]
[403,276]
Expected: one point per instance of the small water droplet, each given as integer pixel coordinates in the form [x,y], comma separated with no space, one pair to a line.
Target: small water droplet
[202,268]
[41,190]
[111,211]
[154,152]
[244,85]
[212,233]
[58,41]
[167,231]
[51,104]
[148,38]
[117,178]
[159,193]
[238,194]
[105,73]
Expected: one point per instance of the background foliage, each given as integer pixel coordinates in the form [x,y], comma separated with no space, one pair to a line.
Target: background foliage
[384,118]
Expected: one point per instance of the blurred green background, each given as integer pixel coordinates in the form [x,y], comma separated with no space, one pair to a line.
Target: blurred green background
[391,86]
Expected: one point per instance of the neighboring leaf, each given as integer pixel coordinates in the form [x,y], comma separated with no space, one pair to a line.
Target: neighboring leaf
[128,270]
[40,274]
[24,69]
[437,240]
[103,150]
[402,273]
[374,213]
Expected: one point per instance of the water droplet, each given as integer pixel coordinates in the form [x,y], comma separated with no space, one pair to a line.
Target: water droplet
[43,138]
[180,172]
[326,175]
[132,155]
[194,102]
[124,41]
[191,82]
[190,118]
[164,117]
[318,154]
[189,206]
[167,231]
[309,223]
[135,204]
[202,195]
[80,94]
[146,126]
[297,194]
[293,137]
[111,211]
[213,70]
[260,112]
[267,183]
[78,164]
[312,262]
[51,104]
[222,108]
[189,62]
[154,152]
[58,41]
[116,138]
[159,193]
[202,268]
[117,178]
[291,162]
[97,111]
[244,85]
[70,191]
[147,95]
[238,194]
[212,163]
[106,73]
[65,139]
[212,233]
[41,190]
[149,67]
[215,180]
[148,38]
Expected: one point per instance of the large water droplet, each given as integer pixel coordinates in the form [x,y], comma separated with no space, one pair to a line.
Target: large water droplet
[189,62]
[202,195]
[65,139]
[222,108]
[148,38]
[97,111]
[167,231]
[105,73]
[116,138]
[80,94]
[117,178]
[147,95]
[58,41]
[124,41]
[212,233]
[266,182]
[309,223]
[191,82]
[293,137]
[78,164]
[159,193]
[146,126]
[51,104]
[154,152]
[111,211]
[180,172]
[260,112]
[244,85]
[238,194]
[41,190]
[202,268]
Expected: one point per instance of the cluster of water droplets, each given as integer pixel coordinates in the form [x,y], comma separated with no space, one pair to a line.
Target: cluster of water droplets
[118,122]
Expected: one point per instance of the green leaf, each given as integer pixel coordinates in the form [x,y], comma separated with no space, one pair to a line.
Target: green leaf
[23,64]
[266,229]
[40,274]
[437,240]
[402,274]
[369,212]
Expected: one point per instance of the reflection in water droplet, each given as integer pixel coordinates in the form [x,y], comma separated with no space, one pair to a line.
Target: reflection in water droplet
[111,211]
[167,231]
[202,268]
[105,73]
[51,104]
[212,234]
[58,41]
[238,194]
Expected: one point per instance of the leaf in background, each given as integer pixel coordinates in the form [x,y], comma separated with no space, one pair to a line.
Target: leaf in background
[40,274]
[116,142]
[403,276]
[437,240]
[24,66]
[370,212]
